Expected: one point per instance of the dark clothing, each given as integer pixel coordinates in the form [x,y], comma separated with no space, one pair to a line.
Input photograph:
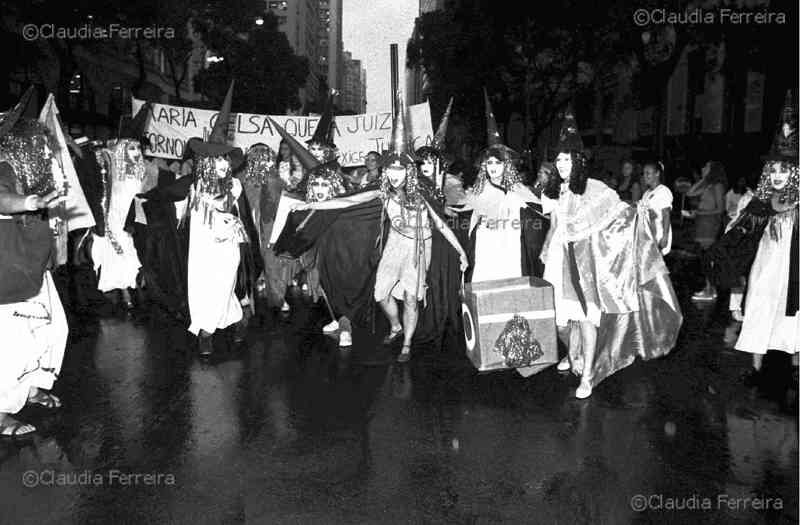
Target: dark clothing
[26,245]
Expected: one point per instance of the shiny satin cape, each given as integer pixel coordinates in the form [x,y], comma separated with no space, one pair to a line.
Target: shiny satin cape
[613,264]
[348,242]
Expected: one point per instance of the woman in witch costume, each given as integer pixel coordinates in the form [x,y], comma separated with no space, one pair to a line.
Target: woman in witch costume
[612,288]
[32,318]
[219,223]
[506,230]
[406,256]
[762,245]
[123,172]
[323,181]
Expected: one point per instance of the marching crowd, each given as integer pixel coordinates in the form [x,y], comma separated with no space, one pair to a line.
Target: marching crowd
[222,231]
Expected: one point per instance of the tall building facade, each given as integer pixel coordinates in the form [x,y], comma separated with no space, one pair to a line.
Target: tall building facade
[299,20]
[353,85]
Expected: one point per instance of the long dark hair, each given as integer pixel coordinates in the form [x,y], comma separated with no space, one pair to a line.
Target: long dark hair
[577,179]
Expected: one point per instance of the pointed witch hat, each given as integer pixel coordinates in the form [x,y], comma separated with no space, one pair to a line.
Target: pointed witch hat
[303,156]
[398,155]
[494,142]
[569,139]
[324,133]
[784,145]
[216,145]
[134,128]
[439,142]
[9,118]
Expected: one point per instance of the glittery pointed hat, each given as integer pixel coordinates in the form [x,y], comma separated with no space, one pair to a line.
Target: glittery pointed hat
[303,156]
[324,132]
[569,139]
[784,145]
[439,142]
[9,118]
[398,146]
[494,142]
[216,145]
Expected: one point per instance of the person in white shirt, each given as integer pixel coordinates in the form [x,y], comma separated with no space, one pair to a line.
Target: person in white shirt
[740,191]
[658,199]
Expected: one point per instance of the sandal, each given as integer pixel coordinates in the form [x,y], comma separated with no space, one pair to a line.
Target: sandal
[405,354]
[44,399]
[11,428]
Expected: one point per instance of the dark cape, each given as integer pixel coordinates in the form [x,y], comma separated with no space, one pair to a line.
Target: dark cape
[250,266]
[349,245]
[731,257]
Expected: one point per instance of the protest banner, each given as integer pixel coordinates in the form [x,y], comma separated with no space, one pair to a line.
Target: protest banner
[170,127]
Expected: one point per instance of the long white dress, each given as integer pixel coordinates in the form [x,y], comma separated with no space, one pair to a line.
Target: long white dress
[497,226]
[213,263]
[766,325]
[114,254]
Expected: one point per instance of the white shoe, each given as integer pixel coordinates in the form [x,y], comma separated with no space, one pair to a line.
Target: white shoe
[285,308]
[304,287]
[583,392]
[737,316]
[331,327]
[345,339]
[563,365]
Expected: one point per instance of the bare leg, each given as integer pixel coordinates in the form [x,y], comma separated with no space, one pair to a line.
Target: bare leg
[757,360]
[589,342]
[389,307]
[409,319]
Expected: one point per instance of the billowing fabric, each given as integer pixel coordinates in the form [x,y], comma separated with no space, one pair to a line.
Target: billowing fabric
[348,242]
[35,336]
[615,278]
[768,325]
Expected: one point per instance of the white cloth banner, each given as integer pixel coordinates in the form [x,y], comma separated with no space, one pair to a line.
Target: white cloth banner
[170,127]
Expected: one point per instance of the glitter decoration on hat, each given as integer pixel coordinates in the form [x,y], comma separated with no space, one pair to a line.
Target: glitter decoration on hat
[569,139]
[784,144]
[9,118]
[29,148]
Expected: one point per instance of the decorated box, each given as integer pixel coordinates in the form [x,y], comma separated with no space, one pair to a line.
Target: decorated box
[510,323]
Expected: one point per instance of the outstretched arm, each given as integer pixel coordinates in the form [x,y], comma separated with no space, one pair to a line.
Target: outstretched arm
[341,202]
[449,235]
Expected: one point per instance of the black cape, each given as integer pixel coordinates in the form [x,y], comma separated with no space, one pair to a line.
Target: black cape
[349,244]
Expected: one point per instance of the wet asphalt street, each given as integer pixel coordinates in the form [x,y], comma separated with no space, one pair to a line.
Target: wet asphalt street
[290,429]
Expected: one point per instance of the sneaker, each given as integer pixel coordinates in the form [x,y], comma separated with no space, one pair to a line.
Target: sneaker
[331,327]
[563,365]
[345,339]
[304,287]
[583,392]
[285,308]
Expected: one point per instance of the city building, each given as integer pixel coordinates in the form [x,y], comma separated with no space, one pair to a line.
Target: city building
[299,20]
[353,85]
[97,87]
